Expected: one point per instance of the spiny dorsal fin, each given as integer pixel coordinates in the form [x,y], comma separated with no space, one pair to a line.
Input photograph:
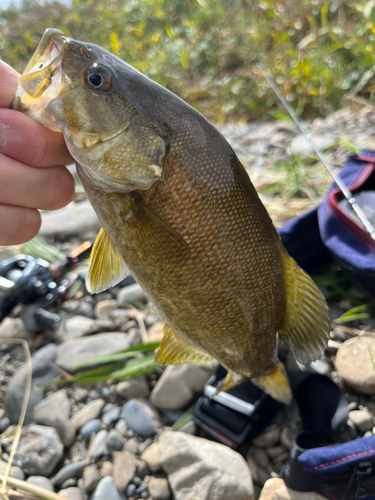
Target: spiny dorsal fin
[306,326]
[173,350]
[106,266]
[276,384]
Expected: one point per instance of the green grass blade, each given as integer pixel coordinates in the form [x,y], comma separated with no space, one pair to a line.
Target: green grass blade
[184,419]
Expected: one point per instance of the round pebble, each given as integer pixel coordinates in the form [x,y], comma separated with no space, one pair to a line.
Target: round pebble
[91,427]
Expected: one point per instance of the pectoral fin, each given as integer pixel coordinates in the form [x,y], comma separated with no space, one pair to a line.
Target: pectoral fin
[106,266]
[306,325]
[174,350]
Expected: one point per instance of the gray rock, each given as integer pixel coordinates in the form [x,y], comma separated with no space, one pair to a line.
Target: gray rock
[68,483]
[130,490]
[85,309]
[80,394]
[4,424]
[158,488]
[268,438]
[42,372]
[124,467]
[2,413]
[131,445]
[133,388]
[198,468]
[111,416]
[354,364]
[143,446]
[99,446]
[17,473]
[106,490]
[91,477]
[73,352]
[65,430]
[71,493]
[89,412]
[286,437]
[300,146]
[122,426]
[70,221]
[151,456]
[142,469]
[68,471]
[362,419]
[39,450]
[106,468]
[41,481]
[91,427]
[137,417]
[13,328]
[115,441]
[276,489]
[131,293]
[54,405]
[259,455]
[178,384]
[104,308]
[73,328]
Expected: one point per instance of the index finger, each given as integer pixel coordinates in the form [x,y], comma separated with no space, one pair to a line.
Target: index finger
[8,84]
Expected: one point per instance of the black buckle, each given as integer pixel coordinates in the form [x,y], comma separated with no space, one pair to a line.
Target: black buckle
[361,470]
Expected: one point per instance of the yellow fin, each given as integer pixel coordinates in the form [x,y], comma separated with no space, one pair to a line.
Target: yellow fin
[173,350]
[106,266]
[228,382]
[276,384]
[306,325]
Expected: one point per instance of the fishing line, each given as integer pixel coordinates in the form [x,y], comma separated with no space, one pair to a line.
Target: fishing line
[308,136]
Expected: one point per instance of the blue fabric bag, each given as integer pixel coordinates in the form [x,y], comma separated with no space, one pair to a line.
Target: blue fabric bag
[332,232]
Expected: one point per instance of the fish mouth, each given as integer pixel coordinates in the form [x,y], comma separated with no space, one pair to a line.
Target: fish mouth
[41,81]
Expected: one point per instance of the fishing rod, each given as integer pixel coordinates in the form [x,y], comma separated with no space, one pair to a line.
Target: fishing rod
[308,136]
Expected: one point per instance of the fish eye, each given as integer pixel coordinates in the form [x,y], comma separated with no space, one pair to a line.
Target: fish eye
[97,78]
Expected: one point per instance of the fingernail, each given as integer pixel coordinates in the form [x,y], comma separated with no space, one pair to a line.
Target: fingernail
[3,134]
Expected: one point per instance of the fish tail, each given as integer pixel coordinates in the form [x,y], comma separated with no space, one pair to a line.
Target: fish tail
[276,384]
[306,325]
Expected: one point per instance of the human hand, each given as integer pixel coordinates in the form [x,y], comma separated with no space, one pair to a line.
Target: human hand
[32,171]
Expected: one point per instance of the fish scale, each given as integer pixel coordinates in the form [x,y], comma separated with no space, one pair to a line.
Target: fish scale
[179,211]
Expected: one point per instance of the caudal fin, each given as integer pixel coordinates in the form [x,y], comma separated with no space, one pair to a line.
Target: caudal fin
[306,326]
[276,384]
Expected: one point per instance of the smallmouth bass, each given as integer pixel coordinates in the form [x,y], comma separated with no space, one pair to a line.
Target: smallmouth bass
[179,211]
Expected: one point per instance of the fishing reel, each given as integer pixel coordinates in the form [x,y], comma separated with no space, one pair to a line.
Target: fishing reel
[37,285]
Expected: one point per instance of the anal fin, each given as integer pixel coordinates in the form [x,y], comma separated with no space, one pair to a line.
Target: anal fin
[174,350]
[106,266]
[306,325]
[276,384]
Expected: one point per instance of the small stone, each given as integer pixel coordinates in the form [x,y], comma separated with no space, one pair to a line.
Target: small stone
[4,424]
[354,364]
[178,384]
[91,477]
[2,413]
[111,416]
[69,471]
[65,430]
[300,146]
[99,447]
[115,441]
[158,488]
[367,434]
[13,328]
[131,445]
[41,481]
[274,451]
[151,456]
[142,447]
[137,481]
[80,394]
[141,488]
[122,426]
[124,467]
[130,294]
[276,489]
[106,490]
[85,309]
[91,427]
[69,483]
[130,490]
[39,450]
[74,328]
[106,469]
[42,372]
[154,334]
[225,471]
[133,388]
[286,437]
[17,473]
[268,438]
[72,352]
[71,493]
[362,419]
[137,417]
[89,412]
[259,455]
[104,308]
[142,469]
[78,451]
